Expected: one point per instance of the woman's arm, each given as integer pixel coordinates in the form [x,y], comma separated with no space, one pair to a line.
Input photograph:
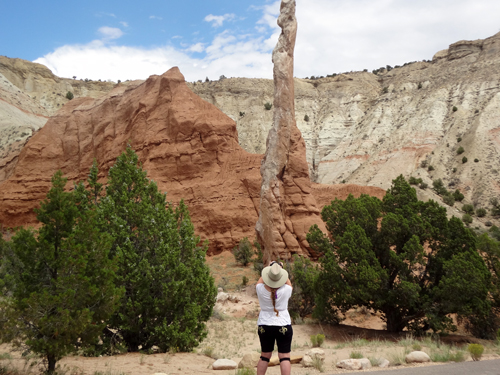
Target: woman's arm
[261,281]
[288,282]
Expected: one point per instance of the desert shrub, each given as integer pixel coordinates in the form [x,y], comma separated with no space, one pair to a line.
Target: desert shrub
[306,118]
[455,109]
[414,180]
[423,186]
[385,90]
[468,209]
[476,160]
[439,187]
[242,114]
[317,340]
[458,196]
[419,85]
[495,210]
[430,168]
[481,212]
[423,164]
[467,219]
[454,170]
[356,355]
[464,160]
[244,281]
[258,263]
[449,199]
[460,150]
[268,106]
[245,371]
[459,139]
[476,351]
[243,252]
[69,95]
[416,346]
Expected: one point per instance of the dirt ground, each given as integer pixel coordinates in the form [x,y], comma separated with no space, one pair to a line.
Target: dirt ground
[232,333]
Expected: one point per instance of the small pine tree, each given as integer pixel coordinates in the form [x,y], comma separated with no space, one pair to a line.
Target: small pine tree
[467,219]
[464,160]
[306,118]
[69,95]
[61,280]
[458,196]
[468,209]
[460,150]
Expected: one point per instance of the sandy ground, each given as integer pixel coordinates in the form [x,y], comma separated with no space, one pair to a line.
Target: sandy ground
[232,333]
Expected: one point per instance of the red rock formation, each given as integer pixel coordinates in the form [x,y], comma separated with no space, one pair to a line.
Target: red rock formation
[186,145]
[287,207]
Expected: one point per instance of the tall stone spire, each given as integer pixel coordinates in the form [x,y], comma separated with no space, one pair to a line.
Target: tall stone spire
[287,207]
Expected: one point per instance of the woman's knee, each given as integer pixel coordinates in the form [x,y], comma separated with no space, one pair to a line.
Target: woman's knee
[284,355]
[266,354]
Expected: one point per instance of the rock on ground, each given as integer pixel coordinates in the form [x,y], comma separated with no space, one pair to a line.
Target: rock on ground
[354,364]
[224,364]
[417,357]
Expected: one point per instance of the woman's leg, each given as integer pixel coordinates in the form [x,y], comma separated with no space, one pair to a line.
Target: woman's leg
[262,365]
[285,366]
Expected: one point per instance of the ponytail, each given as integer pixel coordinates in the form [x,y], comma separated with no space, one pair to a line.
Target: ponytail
[273,298]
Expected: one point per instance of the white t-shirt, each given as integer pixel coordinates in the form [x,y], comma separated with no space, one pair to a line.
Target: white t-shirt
[267,314]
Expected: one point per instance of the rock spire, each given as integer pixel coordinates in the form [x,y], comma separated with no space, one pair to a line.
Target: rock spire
[287,207]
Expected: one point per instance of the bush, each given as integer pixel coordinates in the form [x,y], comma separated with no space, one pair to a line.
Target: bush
[317,340]
[268,106]
[423,164]
[476,160]
[495,210]
[459,139]
[258,263]
[460,150]
[467,219]
[243,252]
[356,355]
[464,160]
[458,196]
[244,281]
[454,170]
[385,90]
[423,186]
[419,86]
[468,209]
[306,118]
[449,199]
[69,95]
[430,168]
[439,187]
[481,212]
[476,351]
[414,181]
[245,371]
[455,109]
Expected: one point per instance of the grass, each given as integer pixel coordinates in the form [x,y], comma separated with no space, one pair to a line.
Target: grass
[318,364]
[356,355]
[245,371]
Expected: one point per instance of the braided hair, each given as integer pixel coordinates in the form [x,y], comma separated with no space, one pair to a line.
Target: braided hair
[274,295]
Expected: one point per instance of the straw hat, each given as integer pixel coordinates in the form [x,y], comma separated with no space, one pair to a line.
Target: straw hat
[274,276]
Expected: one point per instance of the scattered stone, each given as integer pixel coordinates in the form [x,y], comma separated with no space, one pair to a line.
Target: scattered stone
[417,357]
[224,364]
[384,363]
[355,364]
[308,359]
[249,360]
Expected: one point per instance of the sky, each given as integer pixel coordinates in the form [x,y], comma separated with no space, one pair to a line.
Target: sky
[120,40]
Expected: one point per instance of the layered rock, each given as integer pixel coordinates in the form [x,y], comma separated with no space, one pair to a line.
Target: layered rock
[287,207]
[366,129]
[185,144]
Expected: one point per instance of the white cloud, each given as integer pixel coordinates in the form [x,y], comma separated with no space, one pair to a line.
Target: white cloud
[333,36]
[217,21]
[110,33]
[124,24]
[155,18]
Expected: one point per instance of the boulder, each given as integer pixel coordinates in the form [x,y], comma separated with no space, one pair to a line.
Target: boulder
[308,359]
[224,364]
[249,360]
[417,357]
[384,363]
[354,364]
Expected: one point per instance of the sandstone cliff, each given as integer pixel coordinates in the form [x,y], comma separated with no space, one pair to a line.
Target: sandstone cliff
[367,129]
[187,146]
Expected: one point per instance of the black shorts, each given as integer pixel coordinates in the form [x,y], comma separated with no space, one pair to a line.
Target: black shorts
[268,335]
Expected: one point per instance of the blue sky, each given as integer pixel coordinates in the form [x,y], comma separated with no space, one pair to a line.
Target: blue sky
[126,39]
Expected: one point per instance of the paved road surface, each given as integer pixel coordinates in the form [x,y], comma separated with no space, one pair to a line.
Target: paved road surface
[490,367]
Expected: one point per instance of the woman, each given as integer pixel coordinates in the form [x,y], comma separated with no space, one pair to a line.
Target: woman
[275,326]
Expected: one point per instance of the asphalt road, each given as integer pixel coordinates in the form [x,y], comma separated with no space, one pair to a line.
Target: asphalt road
[490,367]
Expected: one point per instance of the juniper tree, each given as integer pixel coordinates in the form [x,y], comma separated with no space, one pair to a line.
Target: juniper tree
[375,257]
[59,280]
[169,292]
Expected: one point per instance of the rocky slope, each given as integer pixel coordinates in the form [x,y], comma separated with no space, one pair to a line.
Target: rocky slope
[367,129]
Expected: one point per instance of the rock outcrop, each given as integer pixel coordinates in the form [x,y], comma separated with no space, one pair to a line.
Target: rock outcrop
[366,128]
[287,206]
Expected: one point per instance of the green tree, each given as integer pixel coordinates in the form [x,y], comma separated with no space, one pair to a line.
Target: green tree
[303,274]
[69,95]
[375,257]
[439,187]
[459,197]
[243,252]
[468,209]
[60,280]
[169,292]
